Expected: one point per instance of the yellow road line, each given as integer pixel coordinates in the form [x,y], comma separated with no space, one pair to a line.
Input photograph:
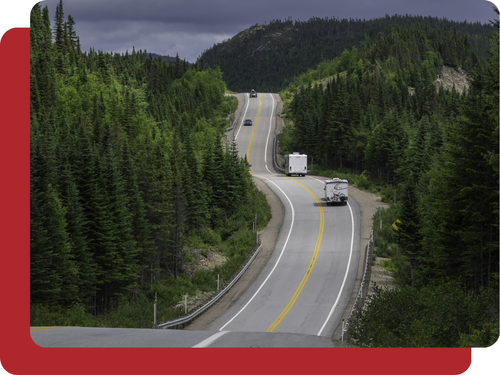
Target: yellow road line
[254,127]
[40,328]
[311,263]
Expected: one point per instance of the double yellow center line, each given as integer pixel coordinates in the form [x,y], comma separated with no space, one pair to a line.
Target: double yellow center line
[311,263]
[318,241]
[254,127]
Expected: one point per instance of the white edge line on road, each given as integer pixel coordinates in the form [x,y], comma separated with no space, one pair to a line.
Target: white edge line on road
[267,140]
[346,271]
[269,132]
[276,264]
[243,118]
[210,340]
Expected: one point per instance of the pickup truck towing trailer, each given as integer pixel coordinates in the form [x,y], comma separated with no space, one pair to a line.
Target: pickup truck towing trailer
[296,164]
[336,191]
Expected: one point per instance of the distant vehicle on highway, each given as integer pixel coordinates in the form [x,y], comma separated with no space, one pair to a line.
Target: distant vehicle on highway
[247,123]
[253,93]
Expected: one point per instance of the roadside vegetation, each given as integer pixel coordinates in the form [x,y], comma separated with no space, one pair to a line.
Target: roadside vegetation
[384,125]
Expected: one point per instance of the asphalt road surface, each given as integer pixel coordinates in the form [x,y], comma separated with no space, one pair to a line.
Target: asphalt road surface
[307,283]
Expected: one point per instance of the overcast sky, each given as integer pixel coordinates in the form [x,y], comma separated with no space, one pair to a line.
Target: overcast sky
[189,27]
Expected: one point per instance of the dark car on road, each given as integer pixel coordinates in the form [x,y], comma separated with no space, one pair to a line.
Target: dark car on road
[247,123]
[253,93]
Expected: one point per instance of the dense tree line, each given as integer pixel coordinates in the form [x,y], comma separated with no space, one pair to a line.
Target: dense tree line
[270,56]
[126,163]
[380,97]
[383,115]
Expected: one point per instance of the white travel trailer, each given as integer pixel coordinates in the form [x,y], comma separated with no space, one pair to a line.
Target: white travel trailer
[336,191]
[296,164]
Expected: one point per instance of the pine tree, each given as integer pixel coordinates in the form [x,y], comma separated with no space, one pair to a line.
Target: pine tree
[60,38]
[76,229]
[197,198]
[409,229]
[235,191]
[140,227]
[181,193]
[218,182]
[52,271]
[156,187]
[125,263]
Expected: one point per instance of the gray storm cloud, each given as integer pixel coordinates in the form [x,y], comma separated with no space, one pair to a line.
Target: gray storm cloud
[188,27]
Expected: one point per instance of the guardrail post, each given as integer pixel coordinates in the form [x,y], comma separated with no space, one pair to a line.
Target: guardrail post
[154,319]
[397,245]
[343,327]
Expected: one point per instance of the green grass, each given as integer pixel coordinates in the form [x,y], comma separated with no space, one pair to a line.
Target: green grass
[388,265]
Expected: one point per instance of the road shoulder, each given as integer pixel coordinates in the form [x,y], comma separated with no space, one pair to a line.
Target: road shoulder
[268,236]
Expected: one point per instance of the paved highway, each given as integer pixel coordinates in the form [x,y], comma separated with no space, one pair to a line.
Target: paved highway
[307,283]
[301,293]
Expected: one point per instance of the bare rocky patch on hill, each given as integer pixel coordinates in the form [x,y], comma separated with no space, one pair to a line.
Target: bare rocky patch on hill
[451,77]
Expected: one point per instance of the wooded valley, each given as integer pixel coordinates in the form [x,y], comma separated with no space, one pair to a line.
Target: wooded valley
[130,168]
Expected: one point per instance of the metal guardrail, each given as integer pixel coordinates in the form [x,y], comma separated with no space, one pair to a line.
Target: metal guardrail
[232,124]
[274,157]
[365,284]
[185,319]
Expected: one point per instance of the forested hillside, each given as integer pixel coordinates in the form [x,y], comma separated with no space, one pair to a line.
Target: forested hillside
[268,57]
[381,115]
[128,171]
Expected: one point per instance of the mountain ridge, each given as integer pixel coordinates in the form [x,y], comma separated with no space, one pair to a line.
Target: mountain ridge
[268,57]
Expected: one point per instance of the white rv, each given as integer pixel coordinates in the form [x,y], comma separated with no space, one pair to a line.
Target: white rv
[336,191]
[296,164]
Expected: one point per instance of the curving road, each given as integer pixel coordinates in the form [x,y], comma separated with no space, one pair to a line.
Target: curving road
[307,283]
[301,292]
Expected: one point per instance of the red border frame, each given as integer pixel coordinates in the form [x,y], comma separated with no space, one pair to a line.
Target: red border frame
[20,355]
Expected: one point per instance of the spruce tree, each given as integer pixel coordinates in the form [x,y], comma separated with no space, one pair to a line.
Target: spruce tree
[140,227]
[125,263]
[52,271]
[410,227]
[76,228]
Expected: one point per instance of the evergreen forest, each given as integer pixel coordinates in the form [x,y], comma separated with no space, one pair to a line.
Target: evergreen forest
[268,57]
[383,119]
[130,169]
